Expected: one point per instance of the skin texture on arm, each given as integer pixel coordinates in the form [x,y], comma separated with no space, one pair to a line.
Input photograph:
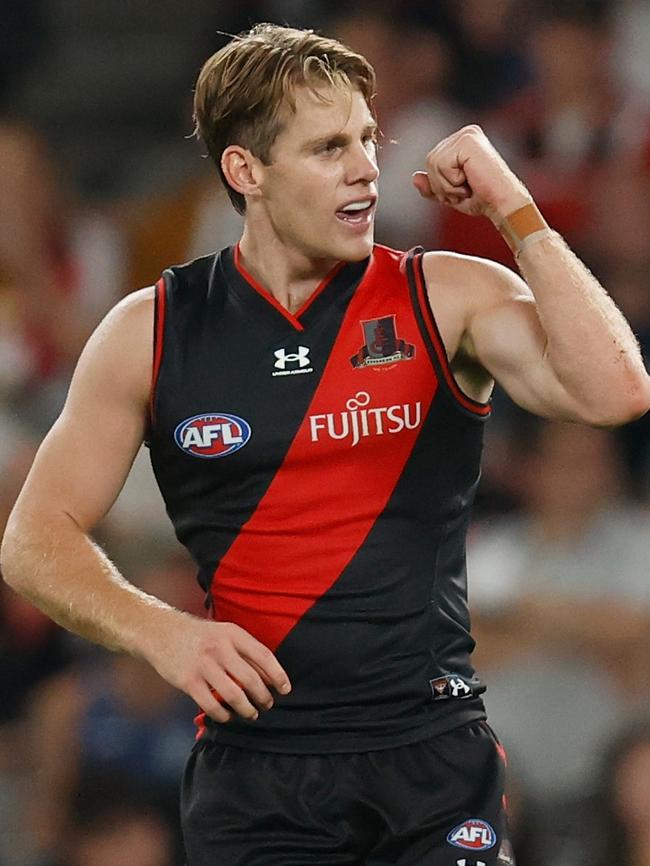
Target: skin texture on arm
[556,342]
[48,555]
[77,474]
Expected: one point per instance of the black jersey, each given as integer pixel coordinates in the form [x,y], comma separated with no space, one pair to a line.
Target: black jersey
[320,467]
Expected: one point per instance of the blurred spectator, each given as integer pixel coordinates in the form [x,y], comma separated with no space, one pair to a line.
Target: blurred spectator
[625,801]
[109,719]
[412,119]
[560,603]
[612,824]
[111,827]
[570,134]
[32,649]
[626,277]
[111,94]
[24,32]
[191,220]
[490,56]
[60,268]
[631,51]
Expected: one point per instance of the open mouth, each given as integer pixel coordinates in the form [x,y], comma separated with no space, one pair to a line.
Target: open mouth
[358,213]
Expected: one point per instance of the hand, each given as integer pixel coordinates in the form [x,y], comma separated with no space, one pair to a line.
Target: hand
[467,173]
[218,663]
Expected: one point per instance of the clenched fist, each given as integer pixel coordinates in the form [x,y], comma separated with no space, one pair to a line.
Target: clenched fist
[466,172]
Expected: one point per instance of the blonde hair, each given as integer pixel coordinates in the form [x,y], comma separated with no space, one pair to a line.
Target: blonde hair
[244,91]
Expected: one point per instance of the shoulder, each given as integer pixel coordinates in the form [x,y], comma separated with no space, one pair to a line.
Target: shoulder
[118,356]
[136,307]
[128,318]
[480,281]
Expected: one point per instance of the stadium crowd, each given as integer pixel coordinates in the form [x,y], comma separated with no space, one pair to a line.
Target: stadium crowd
[103,186]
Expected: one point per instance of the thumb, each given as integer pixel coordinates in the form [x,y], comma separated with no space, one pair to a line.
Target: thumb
[421,183]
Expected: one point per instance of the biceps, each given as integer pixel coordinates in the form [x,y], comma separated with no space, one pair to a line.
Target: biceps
[510,343]
[82,464]
[84,460]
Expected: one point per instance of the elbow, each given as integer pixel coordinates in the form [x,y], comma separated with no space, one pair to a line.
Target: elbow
[7,557]
[13,562]
[631,403]
[640,403]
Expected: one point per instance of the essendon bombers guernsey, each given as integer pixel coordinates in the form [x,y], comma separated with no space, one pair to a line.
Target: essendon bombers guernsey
[320,467]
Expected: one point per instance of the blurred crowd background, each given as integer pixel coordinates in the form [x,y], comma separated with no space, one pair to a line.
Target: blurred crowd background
[102,185]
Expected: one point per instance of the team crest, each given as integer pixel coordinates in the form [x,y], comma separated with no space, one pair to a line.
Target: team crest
[381,344]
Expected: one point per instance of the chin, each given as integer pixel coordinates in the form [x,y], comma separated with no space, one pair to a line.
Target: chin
[355,250]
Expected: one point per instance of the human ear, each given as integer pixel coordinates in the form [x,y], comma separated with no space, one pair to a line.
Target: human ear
[241,170]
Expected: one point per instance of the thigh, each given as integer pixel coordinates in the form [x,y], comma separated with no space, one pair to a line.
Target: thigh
[245,808]
[447,803]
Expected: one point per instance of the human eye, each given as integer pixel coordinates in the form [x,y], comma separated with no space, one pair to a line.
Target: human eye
[330,148]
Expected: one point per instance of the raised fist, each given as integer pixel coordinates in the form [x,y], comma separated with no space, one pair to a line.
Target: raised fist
[466,172]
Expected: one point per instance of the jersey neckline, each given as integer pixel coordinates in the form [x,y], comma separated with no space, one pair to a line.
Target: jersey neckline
[293,318]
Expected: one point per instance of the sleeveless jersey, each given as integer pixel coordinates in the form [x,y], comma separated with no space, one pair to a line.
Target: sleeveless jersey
[320,468]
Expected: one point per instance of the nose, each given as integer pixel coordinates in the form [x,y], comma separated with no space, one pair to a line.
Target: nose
[362,166]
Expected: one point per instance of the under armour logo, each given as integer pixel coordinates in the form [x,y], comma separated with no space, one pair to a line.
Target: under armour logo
[459,688]
[298,362]
[301,357]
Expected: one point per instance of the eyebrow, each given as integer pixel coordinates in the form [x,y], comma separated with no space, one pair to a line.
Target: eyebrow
[342,137]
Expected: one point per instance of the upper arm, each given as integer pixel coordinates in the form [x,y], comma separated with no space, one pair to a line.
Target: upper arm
[505,335]
[496,329]
[85,458]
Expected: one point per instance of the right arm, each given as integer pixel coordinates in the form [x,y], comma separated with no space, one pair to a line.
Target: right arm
[48,555]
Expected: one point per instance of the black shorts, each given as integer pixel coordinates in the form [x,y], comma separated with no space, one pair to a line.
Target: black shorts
[438,802]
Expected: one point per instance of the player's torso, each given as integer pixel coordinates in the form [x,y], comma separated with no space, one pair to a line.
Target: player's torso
[320,468]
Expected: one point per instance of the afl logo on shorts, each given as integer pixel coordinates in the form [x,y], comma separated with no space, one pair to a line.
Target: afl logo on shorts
[473,835]
[213,435]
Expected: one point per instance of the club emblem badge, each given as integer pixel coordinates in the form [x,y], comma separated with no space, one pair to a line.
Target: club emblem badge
[381,344]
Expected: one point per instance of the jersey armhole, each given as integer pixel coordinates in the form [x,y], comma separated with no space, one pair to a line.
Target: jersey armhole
[433,338]
[160,307]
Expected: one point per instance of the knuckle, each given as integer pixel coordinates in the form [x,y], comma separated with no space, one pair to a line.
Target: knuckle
[229,691]
[232,629]
[242,706]
[190,683]
[267,656]
[249,680]
[218,712]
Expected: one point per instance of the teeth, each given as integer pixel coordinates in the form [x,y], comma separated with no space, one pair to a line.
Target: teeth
[357,205]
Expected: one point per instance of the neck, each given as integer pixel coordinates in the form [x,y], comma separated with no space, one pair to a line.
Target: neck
[289,275]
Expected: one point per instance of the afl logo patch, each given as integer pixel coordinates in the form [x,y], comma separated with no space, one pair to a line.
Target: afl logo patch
[214,435]
[473,835]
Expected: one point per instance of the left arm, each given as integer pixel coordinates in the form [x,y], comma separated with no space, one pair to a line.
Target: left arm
[557,342]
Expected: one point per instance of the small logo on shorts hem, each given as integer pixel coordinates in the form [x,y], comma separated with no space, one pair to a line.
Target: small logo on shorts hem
[451,686]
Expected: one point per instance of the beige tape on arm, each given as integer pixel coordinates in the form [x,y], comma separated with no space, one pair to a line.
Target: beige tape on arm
[523,227]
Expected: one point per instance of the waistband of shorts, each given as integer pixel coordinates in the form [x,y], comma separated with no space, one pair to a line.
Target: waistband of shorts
[306,742]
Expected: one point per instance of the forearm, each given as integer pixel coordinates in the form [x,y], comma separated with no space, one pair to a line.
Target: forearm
[54,564]
[590,346]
